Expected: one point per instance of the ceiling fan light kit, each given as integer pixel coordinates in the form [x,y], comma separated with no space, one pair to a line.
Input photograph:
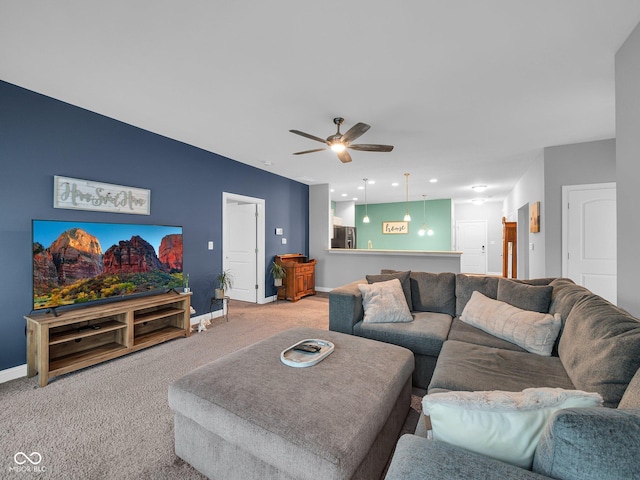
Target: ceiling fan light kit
[339,142]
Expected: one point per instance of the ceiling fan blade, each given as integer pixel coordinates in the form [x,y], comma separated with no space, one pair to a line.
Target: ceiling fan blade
[366,147]
[310,151]
[355,131]
[344,156]
[308,135]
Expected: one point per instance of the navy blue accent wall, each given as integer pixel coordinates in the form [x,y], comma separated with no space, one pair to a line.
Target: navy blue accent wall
[41,137]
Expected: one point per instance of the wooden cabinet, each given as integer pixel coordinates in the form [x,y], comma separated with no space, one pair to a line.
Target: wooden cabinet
[78,338]
[509,248]
[300,278]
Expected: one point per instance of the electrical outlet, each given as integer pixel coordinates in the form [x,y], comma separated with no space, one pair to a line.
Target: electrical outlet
[284,241]
[210,245]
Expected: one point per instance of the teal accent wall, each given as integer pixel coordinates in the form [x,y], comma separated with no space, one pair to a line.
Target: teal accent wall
[438,219]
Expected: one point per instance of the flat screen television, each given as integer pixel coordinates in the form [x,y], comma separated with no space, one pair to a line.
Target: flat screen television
[77,263]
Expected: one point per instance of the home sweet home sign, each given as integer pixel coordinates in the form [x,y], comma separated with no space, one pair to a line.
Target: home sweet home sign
[76,194]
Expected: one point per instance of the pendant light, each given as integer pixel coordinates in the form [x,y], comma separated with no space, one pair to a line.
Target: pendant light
[366,209]
[407,217]
[423,230]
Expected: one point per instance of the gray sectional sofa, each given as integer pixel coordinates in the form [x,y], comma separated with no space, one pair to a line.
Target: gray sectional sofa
[597,350]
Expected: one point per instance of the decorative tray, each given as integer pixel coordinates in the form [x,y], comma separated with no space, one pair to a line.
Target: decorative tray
[306,352]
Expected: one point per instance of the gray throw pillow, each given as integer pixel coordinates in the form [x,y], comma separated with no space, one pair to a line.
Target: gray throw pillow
[467,284]
[590,444]
[433,292]
[535,298]
[404,282]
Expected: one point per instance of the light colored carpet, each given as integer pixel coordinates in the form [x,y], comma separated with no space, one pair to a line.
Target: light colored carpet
[113,421]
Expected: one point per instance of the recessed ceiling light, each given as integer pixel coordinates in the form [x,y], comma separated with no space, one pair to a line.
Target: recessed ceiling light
[371,182]
[267,163]
[395,184]
[434,180]
[479,188]
[478,201]
[343,195]
[332,190]
[355,199]
[361,188]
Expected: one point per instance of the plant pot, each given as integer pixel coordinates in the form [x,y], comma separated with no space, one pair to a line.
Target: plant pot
[277,282]
[219,293]
[186,289]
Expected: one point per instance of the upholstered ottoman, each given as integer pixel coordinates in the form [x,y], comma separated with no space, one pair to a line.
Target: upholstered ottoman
[247,415]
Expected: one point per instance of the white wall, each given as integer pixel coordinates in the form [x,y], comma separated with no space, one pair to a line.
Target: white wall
[491,212]
[628,170]
[346,211]
[528,190]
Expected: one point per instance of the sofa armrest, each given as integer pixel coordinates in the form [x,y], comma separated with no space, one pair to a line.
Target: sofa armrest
[345,307]
[417,458]
[590,443]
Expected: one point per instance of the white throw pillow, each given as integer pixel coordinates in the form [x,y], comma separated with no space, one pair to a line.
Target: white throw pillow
[502,425]
[533,331]
[384,302]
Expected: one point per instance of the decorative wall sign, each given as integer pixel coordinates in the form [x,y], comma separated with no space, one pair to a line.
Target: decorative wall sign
[76,194]
[395,228]
[534,218]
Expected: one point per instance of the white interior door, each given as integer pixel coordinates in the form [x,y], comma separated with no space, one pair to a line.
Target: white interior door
[589,237]
[471,239]
[243,246]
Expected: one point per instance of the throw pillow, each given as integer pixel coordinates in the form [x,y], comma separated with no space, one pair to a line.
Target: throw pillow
[467,284]
[502,425]
[384,302]
[536,298]
[404,278]
[535,332]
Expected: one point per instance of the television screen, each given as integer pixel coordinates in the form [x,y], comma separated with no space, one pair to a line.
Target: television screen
[81,262]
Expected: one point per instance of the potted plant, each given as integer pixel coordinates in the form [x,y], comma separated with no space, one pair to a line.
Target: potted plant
[278,273]
[225,282]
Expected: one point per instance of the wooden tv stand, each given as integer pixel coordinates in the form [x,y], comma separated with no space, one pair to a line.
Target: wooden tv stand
[78,338]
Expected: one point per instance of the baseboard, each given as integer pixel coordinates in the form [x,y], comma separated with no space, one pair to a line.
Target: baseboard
[206,316]
[324,289]
[13,373]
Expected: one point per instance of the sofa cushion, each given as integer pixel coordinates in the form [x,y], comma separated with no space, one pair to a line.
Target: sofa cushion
[424,336]
[527,297]
[467,284]
[404,281]
[433,292]
[463,366]
[600,348]
[535,332]
[631,397]
[502,425]
[464,332]
[590,444]
[384,302]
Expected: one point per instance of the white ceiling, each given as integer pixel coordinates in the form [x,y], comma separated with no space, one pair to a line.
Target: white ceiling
[468,91]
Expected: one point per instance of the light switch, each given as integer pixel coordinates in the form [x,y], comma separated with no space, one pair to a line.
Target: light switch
[210,245]
[531,246]
[284,241]
[279,231]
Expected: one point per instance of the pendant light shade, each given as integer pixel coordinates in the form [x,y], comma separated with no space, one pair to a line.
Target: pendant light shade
[407,217]
[366,209]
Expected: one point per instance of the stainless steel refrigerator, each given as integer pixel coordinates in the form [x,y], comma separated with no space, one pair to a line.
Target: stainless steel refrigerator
[343,237]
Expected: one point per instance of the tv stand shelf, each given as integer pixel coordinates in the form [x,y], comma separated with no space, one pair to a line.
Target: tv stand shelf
[78,338]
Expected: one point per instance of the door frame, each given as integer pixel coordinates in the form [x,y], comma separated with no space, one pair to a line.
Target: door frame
[228,198]
[565,215]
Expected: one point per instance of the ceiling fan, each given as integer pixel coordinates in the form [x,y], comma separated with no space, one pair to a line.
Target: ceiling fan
[341,141]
